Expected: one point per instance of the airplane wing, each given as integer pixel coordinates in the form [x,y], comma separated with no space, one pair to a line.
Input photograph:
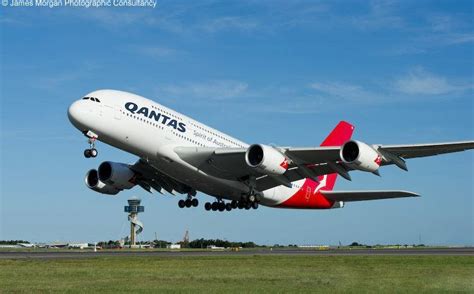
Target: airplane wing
[348,196]
[229,163]
[422,150]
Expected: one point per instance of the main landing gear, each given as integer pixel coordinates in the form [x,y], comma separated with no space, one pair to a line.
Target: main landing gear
[91,152]
[190,201]
[220,205]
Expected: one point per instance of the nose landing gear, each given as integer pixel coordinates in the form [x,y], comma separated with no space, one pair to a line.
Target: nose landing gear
[92,151]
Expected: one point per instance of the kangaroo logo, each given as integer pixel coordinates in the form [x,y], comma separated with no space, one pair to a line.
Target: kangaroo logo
[321,184]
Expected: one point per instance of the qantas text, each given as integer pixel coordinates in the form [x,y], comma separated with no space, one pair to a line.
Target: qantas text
[158,117]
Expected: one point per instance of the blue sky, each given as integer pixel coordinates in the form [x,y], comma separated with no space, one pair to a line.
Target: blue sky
[281,72]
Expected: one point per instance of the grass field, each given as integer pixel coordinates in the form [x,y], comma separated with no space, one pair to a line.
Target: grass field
[258,273]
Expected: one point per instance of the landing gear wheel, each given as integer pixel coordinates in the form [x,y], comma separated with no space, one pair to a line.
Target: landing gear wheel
[228,207]
[240,205]
[93,152]
[247,206]
[221,206]
[188,203]
[195,202]
[233,204]
[255,205]
[214,206]
[91,138]
[181,203]
[208,206]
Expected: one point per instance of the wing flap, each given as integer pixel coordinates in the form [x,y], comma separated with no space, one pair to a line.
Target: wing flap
[150,177]
[314,155]
[349,196]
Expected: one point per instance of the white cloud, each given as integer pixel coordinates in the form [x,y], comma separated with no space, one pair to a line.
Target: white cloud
[381,14]
[421,82]
[156,52]
[294,105]
[4,20]
[229,23]
[112,18]
[210,90]
[446,29]
[453,39]
[404,49]
[60,79]
[417,84]
[345,91]
[441,23]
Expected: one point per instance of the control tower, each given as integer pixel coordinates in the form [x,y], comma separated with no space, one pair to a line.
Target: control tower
[136,226]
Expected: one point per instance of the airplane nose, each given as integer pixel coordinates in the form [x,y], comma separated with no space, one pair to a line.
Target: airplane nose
[73,112]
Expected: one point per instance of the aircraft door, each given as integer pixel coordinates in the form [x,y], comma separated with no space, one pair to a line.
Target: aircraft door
[117,113]
[307,195]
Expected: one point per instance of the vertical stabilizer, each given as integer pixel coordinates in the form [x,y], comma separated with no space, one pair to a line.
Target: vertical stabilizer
[338,136]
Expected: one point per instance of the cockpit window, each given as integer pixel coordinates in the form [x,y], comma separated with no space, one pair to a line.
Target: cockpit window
[91,98]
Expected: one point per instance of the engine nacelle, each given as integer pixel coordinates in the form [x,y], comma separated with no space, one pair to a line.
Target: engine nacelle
[266,159]
[118,175]
[93,182]
[361,156]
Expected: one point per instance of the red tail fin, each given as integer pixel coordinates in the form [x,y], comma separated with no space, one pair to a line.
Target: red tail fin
[341,133]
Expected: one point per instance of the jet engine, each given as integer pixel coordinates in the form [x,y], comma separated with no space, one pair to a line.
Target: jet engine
[118,175]
[361,156]
[266,159]
[93,182]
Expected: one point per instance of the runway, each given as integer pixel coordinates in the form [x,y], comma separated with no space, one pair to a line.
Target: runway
[44,254]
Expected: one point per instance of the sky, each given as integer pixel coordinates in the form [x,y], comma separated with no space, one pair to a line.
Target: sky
[279,72]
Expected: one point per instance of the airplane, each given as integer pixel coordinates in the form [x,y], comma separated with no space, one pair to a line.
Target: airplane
[180,155]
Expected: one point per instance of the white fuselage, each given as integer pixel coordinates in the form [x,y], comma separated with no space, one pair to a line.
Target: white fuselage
[151,131]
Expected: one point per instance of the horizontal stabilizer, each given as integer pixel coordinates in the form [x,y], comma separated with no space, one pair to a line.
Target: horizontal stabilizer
[365,195]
